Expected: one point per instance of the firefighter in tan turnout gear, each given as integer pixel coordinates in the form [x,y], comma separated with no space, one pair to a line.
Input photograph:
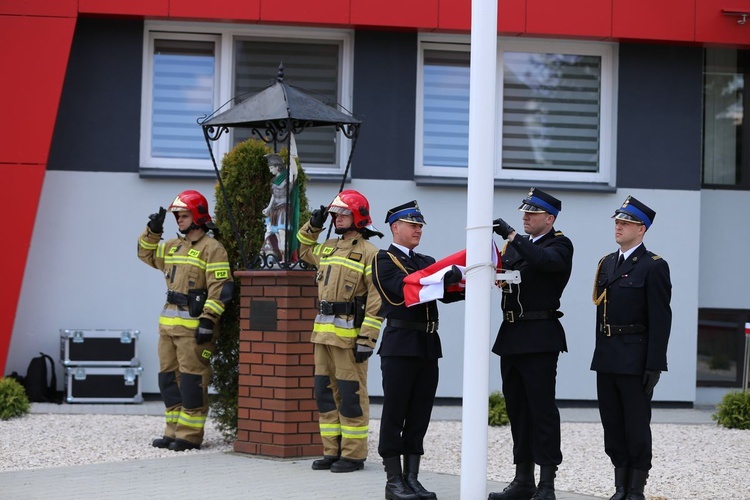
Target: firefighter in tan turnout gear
[346,327]
[199,286]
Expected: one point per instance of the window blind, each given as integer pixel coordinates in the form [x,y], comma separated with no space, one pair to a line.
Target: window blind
[313,67]
[183,91]
[551,111]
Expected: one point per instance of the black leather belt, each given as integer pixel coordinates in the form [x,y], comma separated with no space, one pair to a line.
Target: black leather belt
[427,326]
[177,298]
[328,308]
[512,316]
[620,329]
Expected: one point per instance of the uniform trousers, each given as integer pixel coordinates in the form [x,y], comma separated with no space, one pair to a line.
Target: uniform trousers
[184,377]
[409,387]
[625,410]
[343,402]
[529,390]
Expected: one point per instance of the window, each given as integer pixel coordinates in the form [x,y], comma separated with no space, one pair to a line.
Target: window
[310,66]
[721,347]
[193,69]
[726,143]
[180,87]
[554,104]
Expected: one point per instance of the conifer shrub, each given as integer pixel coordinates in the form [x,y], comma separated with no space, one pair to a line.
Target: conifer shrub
[498,412]
[733,412]
[246,179]
[13,400]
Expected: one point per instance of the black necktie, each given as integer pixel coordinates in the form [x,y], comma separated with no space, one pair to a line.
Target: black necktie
[411,254]
[620,261]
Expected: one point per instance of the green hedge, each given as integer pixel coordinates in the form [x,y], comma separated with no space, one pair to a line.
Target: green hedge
[498,413]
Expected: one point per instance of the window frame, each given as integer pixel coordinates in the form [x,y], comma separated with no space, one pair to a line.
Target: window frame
[607,51]
[225,35]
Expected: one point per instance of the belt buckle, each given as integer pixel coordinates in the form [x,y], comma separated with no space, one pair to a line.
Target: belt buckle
[608,329]
[509,317]
[325,307]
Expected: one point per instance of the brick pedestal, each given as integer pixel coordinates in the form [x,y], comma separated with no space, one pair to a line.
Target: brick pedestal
[277,415]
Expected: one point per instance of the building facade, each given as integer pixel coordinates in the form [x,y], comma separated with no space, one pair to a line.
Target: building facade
[596,100]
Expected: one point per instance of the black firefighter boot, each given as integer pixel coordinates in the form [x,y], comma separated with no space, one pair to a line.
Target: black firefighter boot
[621,484]
[411,471]
[396,488]
[522,487]
[546,488]
[637,483]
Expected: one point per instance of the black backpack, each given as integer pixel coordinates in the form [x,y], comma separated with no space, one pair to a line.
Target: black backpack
[37,388]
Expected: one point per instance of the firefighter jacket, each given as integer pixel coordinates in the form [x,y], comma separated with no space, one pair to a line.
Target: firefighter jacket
[189,267]
[344,277]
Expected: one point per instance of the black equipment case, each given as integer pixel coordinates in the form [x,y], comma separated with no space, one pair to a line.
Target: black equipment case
[99,347]
[95,384]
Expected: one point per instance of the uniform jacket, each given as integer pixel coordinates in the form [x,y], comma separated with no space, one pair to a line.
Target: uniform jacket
[389,281]
[187,265]
[637,294]
[344,272]
[545,268]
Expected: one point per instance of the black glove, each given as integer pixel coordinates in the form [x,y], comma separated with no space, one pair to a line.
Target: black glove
[362,353]
[650,379]
[502,228]
[452,277]
[319,216]
[205,331]
[156,221]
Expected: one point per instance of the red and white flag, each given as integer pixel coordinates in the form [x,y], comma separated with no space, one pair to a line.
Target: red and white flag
[747,329]
[427,284]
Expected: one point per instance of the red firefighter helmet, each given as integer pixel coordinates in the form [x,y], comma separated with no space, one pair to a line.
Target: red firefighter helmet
[195,203]
[352,202]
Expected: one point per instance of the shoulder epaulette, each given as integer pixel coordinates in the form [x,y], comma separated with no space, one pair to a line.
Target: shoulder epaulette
[559,233]
[656,257]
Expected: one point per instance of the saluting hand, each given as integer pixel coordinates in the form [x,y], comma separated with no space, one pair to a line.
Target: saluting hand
[156,221]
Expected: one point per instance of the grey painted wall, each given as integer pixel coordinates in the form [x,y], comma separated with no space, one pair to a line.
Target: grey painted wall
[385,83]
[660,112]
[88,276]
[98,123]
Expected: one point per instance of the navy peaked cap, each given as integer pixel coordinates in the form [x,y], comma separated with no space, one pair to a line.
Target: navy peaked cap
[539,201]
[408,212]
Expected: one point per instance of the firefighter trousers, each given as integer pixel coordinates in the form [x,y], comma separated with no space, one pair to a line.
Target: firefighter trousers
[343,402]
[184,377]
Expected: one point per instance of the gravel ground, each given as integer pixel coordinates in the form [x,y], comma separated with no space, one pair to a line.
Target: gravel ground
[690,461]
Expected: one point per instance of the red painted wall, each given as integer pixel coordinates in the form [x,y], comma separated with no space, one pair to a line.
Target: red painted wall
[41,46]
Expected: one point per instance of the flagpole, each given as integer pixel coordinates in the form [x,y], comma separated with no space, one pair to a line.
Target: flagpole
[481,271]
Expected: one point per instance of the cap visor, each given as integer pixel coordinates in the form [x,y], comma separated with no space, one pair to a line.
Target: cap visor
[626,217]
[525,207]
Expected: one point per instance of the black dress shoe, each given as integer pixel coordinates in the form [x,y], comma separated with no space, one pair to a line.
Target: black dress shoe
[182,445]
[162,442]
[345,465]
[324,463]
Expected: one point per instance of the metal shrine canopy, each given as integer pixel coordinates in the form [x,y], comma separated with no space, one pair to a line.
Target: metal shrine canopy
[270,110]
[274,114]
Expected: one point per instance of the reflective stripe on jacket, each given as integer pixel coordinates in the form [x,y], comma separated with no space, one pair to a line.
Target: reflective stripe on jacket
[196,265]
[344,272]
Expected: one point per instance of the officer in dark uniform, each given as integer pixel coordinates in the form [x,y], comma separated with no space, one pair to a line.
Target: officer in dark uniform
[529,342]
[409,351]
[632,292]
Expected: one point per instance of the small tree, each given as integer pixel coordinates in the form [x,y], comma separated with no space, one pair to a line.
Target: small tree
[246,179]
